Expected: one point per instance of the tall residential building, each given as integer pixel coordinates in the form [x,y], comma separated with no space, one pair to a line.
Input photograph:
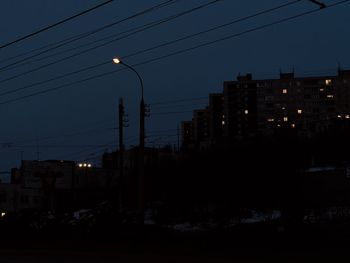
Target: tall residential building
[216,119]
[248,108]
[308,104]
[200,124]
[240,107]
[187,135]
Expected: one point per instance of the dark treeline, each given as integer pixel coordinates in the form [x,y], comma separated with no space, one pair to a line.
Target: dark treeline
[217,186]
[264,174]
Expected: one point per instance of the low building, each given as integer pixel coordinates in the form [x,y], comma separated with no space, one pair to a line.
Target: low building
[9,198]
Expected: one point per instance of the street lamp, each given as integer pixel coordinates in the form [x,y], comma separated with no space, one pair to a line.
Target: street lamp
[142,104]
[142,138]
[118,61]
[84,167]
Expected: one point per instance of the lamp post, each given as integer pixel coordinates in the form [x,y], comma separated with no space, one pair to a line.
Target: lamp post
[140,197]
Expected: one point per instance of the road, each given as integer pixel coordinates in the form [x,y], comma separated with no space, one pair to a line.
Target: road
[38,255]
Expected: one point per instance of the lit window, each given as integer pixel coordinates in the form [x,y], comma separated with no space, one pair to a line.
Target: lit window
[3,214]
[347,116]
[339,116]
[283,108]
[285,119]
[223,122]
[328,82]
[278,125]
[300,111]
[284,91]
[246,112]
[330,96]
[321,89]
[271,120]
[293,125]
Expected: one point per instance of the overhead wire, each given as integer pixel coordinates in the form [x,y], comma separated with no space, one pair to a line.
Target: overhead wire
[179,101]
[54,25]
[144,50]
[106,43]
[76,155]
[285,19]
[176,52]
[171,112]
[119,36]
[61,43]
[73,134]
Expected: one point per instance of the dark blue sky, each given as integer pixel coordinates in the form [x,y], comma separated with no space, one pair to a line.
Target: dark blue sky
[85,114]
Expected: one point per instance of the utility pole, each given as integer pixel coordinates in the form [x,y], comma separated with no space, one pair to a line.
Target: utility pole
[122,124]
[144,112]
[141,180]
[140,185]
[178,138]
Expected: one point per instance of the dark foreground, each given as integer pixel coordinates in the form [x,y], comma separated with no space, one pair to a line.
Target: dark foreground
[101,256]
[249,243]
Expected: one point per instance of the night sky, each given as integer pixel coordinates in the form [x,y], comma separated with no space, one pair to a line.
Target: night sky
[78,121]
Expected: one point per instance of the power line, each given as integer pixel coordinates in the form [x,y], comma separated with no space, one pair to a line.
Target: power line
[176,52]
[72,134]
[171,112]
[19,144]
[54,25]
[133,138]
[213,28]
[109,42]
[131,32]
[181,106]
[130,141]
[56,44]
[62,146]
[321,5]
[141,51]
[179,101]
[54,78]
[80,155]
[76,155]
[238,34]
[86,34]
[61,86]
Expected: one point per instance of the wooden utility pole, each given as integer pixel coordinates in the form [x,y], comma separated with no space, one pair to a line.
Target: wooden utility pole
[121,120]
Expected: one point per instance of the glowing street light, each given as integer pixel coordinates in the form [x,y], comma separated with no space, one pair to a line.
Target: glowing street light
[119,61]
[142,137]
[84,165]
[116,60]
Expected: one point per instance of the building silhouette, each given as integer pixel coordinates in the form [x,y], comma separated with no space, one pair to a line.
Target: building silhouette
[250,108]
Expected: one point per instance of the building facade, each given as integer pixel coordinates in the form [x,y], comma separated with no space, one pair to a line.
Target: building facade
[310,105]
[250,108]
